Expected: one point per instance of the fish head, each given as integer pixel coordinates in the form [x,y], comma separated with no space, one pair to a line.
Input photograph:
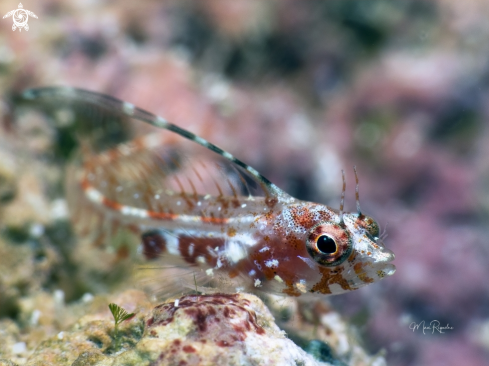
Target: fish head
[349,253]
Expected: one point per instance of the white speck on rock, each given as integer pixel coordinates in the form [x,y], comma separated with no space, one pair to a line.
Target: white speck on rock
[59,297]
[36,230]
[36,314]
[87,297]
[19,347]
[59,209]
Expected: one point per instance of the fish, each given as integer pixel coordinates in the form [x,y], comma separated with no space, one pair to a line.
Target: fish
[190,204]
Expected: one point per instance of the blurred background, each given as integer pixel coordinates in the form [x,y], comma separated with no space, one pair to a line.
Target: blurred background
[299,90]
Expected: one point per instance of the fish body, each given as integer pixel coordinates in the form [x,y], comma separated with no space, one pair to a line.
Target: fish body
[194,205]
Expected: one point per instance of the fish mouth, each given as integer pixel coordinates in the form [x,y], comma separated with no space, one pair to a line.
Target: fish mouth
[383,262]
[388,269]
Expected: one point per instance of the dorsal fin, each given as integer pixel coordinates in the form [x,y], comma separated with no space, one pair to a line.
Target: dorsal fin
[101,122]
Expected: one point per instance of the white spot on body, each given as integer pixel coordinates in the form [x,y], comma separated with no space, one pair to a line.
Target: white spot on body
[134,211]
[235,251]
[172,244]
[252,171]
[177,302]
[160,121]
[244,239]
[201,259]
[209,272]
[271,263]
[243,205]
[199,203]
[128,108]
[252,273]
[257,283]
[201,141]
[94,195]
[264,249]
[191,249]
[187,218]
[278,278]
[60,335]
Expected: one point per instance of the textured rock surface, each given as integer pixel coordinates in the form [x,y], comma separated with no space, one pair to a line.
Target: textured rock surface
[216,329]
[213,329]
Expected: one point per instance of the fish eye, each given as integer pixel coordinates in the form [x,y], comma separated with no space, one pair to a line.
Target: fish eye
[326,244]
[329,244]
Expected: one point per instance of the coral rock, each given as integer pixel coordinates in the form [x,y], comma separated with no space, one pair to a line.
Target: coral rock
[219,329]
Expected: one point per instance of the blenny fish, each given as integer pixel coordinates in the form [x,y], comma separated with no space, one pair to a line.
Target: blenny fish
[194,205]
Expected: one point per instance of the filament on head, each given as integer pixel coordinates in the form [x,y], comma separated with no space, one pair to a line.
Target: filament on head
[342,202]
[357,194]
[384,233]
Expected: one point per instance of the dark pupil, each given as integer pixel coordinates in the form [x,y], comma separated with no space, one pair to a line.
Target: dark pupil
[326,245]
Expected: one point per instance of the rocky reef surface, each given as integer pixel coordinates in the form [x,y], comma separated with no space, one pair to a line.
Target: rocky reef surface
[217,329]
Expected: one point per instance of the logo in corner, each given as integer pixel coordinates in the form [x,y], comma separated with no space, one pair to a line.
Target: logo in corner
[20,16]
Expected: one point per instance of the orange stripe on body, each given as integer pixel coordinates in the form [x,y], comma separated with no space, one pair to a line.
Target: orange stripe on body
[113,205]
[214,220]
[116,206]
[162,215]
[85,185]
